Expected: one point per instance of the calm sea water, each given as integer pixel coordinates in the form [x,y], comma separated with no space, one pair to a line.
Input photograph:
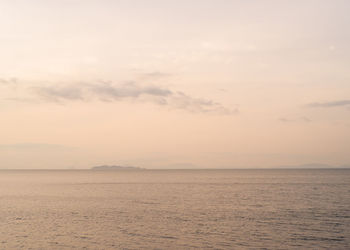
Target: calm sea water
[177,209]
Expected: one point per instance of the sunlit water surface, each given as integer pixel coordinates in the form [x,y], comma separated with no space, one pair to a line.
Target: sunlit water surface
[177,209]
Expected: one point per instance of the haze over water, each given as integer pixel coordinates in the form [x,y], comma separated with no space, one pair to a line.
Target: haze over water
[175,209]
[162,85]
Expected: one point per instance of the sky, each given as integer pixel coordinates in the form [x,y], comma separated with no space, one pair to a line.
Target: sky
[174,84]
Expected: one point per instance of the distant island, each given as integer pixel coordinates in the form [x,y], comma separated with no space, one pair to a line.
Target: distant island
[114,167]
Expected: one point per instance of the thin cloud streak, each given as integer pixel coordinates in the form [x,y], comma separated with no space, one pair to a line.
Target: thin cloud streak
[300,119]
[339,103]
[8,80]
[130,90]
[33,146]
[155,75]
[57,94]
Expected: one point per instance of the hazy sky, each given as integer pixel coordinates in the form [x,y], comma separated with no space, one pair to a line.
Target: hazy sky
[165,84]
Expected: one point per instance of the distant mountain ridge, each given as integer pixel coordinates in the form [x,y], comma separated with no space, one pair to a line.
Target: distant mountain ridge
[314,165]
[115,167]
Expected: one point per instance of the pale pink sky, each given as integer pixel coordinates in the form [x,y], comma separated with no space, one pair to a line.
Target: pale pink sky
[167,84]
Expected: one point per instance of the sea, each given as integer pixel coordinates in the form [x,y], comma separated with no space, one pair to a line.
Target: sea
[175,209]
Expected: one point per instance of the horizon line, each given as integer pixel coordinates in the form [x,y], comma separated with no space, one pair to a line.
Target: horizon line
[162,169]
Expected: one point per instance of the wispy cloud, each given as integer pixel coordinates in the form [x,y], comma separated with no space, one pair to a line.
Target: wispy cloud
[155,75]
[198,105]
[11,80]
[339,103]
[300,119]
[57,93]
[109,91]
[33,146]
[133,91]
